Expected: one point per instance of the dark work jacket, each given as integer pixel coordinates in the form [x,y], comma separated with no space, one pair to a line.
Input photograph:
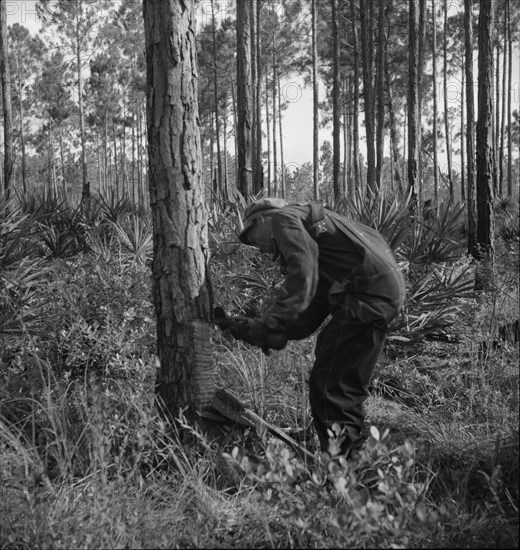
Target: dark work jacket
[332,265]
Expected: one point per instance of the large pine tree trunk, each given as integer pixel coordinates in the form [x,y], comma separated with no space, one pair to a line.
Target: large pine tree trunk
[485,151]
[181,288]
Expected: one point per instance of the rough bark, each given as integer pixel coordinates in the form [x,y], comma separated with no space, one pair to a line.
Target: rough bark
[181,288]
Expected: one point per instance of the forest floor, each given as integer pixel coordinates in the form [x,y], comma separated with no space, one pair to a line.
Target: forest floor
[86,460]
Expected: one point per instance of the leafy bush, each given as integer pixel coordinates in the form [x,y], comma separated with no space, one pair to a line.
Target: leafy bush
[375,500]
[99,313]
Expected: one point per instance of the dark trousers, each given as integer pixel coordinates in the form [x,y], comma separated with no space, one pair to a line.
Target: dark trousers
[346,355]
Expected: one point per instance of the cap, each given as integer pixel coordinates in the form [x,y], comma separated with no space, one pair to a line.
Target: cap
[256,208]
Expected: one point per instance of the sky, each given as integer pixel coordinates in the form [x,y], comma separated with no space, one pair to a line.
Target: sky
[297,119]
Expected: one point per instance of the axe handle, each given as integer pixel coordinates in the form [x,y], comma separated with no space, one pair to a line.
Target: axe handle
[261,425]
[229,406]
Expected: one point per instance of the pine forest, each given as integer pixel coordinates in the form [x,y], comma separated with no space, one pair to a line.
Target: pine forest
[134,136]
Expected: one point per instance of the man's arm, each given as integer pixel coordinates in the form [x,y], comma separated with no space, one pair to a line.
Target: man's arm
[300,252]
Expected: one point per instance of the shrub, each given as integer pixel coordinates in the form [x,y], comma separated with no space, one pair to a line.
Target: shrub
[376,500]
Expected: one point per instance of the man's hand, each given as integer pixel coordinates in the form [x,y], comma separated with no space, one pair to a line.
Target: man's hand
[252,331]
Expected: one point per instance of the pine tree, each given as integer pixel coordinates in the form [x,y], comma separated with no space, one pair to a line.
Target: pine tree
[180,285]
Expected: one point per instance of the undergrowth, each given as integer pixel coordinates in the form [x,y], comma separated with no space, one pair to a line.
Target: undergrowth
[87,460]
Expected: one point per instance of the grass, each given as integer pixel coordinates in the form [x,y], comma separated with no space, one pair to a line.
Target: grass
[86,460]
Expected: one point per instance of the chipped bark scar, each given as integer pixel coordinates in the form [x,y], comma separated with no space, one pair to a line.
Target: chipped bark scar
[203,375]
